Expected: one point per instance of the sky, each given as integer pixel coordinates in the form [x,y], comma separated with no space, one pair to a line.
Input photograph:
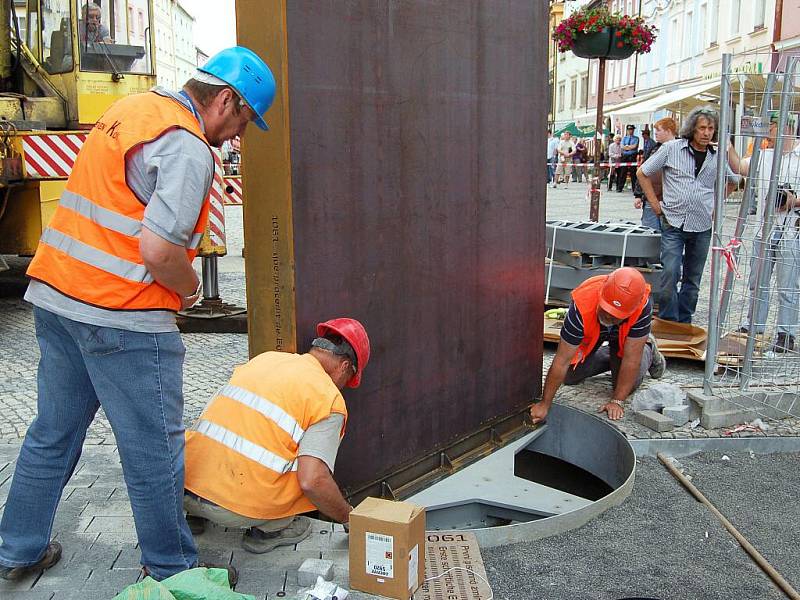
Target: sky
[215,23]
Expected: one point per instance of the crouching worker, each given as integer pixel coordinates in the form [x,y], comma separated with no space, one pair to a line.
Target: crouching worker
[617,309]
[263,450]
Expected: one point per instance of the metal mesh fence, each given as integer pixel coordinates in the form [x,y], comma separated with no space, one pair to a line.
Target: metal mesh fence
[753,337]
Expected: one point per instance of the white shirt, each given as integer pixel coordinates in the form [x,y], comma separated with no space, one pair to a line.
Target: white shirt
[565,146]
[552,147]
[789,174]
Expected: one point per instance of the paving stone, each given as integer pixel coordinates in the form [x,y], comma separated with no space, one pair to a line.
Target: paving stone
[261,583]
[102,524]
[286,560]
[109,508]
[87,494]
[214,556]
[27,594]
[655,421]
[63,577]
[312,568]
[129,557]
[678,414]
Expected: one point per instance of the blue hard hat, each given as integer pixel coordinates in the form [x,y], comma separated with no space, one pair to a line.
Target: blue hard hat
[244,71]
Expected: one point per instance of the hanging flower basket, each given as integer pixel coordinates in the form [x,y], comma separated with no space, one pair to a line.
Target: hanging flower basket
[597,33]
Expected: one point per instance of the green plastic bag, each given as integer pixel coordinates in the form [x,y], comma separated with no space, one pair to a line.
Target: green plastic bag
[194,584]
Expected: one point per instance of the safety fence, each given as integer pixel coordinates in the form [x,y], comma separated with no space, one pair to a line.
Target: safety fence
[753,355]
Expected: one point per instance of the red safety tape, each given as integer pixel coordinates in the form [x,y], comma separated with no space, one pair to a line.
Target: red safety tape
[591,164]
[730,258]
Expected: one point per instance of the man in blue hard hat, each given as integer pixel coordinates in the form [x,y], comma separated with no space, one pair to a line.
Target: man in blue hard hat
[112,268]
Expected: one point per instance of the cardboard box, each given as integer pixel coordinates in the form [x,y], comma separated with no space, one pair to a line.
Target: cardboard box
[387,548]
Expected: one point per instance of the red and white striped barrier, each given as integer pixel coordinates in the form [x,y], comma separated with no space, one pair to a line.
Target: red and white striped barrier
[233,190]
[51,156]
[591,164]
[216,212]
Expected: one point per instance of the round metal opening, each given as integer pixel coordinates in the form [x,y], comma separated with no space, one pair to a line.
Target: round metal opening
[552,480]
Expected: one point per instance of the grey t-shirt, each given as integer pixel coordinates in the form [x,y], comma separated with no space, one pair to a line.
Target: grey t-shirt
[321,440]
[172,175]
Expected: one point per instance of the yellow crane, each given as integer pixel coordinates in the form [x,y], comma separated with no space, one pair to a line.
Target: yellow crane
[62,63]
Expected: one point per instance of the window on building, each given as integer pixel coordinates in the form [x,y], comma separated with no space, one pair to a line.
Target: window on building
[675,48]
[584,91]
[688,41]
[735,14]
[573,93]
[701,28]
[713,23]
[760,8]
[593,76]
[561,93]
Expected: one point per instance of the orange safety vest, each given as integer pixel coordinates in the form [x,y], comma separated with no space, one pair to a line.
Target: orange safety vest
[242,452]
[587,298]
[90,249]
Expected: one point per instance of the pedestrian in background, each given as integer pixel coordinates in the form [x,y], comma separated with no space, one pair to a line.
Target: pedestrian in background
[630,151]
[782,252]
[688,168]
[579,162]
[614,158]
[566,150]
[666,130]
[112,268]
[552,155]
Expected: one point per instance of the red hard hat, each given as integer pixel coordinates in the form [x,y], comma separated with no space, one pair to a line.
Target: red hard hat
[623,292]
[356,336]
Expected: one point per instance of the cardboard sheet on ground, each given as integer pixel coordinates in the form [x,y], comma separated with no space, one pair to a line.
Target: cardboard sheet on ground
[445,550]
[732,347]
[675,340]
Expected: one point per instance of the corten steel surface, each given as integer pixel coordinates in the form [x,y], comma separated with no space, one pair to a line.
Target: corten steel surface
[414,205]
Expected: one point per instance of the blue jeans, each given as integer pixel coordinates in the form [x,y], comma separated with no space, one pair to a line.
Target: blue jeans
[683,257]
[551,169]
[649,218]
[782,255]
[137,379]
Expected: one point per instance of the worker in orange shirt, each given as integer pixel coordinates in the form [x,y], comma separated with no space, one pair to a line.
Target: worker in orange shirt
[616,309]
[263,451]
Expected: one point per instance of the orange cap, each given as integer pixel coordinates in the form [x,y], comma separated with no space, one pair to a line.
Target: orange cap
[622,293]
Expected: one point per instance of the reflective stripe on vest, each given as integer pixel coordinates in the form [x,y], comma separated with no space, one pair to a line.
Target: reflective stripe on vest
[245,447]
[270,410]
[96,258]
[102,216]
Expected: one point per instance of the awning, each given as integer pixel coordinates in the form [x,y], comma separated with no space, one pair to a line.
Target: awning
[590,117]
[586,131]
[684,98]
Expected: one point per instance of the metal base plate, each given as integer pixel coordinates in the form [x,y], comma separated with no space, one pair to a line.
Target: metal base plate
[489,492]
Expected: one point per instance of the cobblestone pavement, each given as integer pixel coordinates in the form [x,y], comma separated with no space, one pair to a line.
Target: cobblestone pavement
[95,522]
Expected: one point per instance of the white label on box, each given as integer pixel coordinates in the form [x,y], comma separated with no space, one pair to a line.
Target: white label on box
[380,555]
[413,567]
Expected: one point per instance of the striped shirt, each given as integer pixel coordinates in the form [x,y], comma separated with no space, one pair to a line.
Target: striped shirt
[572,331]
[688,201]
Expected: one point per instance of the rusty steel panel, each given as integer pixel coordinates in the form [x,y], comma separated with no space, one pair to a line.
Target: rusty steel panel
[417,161]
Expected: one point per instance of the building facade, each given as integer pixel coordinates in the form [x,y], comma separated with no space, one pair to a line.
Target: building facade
[176,54]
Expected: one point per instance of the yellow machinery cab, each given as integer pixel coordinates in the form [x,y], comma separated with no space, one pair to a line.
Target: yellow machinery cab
[67,61]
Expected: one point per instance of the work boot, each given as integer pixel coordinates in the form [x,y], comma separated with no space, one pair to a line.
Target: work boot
[51,556]
[658,364]
[784,343]
[197,525]
[259,542]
